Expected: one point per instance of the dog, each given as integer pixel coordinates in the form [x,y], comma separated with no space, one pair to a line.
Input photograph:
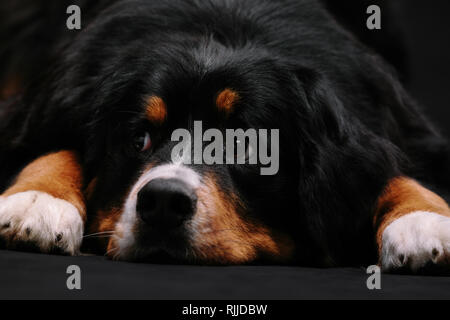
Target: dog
[86,150]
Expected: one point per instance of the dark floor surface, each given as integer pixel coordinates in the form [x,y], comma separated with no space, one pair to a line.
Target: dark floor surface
[36,276]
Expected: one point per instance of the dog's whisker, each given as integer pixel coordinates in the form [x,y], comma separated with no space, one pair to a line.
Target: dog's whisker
[116,255]
[111,250]
[98,233]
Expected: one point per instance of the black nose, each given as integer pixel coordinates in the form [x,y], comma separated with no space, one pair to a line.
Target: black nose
[166,203]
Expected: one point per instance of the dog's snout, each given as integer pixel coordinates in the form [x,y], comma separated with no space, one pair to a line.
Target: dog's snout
[166,203]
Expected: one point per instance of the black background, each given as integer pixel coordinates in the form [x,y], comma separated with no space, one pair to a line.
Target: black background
[415,38]
[426,26]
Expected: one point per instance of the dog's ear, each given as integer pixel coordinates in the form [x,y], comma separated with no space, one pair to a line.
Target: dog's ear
[320,128]
[343,166]
[322,110]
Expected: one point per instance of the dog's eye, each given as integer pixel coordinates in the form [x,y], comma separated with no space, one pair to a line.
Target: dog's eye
[143,142]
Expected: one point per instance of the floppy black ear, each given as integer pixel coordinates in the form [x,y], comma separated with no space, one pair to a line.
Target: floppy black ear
[342,171]
[322,109]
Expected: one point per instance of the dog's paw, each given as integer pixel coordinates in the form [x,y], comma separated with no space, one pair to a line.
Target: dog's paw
[416,241]
[37,220]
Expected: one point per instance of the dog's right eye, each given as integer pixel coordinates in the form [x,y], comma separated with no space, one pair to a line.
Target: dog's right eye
[143,142]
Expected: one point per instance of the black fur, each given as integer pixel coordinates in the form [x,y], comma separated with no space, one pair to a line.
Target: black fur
[347,125]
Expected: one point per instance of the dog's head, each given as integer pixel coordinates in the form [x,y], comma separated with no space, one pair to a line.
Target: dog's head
[204,164]
[159,101]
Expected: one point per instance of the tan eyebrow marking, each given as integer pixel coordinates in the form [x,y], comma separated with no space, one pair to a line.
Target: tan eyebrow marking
[156,110]
[226,100]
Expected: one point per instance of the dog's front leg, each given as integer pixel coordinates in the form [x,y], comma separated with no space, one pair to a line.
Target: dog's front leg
[44,209]
[413,227]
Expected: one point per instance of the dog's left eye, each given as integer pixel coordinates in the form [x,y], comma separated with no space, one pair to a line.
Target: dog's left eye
[143,142]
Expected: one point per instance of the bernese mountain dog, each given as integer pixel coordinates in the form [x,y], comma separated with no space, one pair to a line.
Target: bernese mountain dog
[87,118]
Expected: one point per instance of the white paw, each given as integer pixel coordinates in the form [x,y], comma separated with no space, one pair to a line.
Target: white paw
[415,240]
[39,219]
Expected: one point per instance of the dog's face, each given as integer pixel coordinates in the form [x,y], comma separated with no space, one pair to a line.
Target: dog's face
[140,93]
[157,204]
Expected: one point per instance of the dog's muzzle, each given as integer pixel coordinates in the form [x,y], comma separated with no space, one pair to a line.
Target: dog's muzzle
[166,204]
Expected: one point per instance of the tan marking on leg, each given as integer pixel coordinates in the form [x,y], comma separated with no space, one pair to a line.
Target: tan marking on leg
[401,197]
[57,174]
